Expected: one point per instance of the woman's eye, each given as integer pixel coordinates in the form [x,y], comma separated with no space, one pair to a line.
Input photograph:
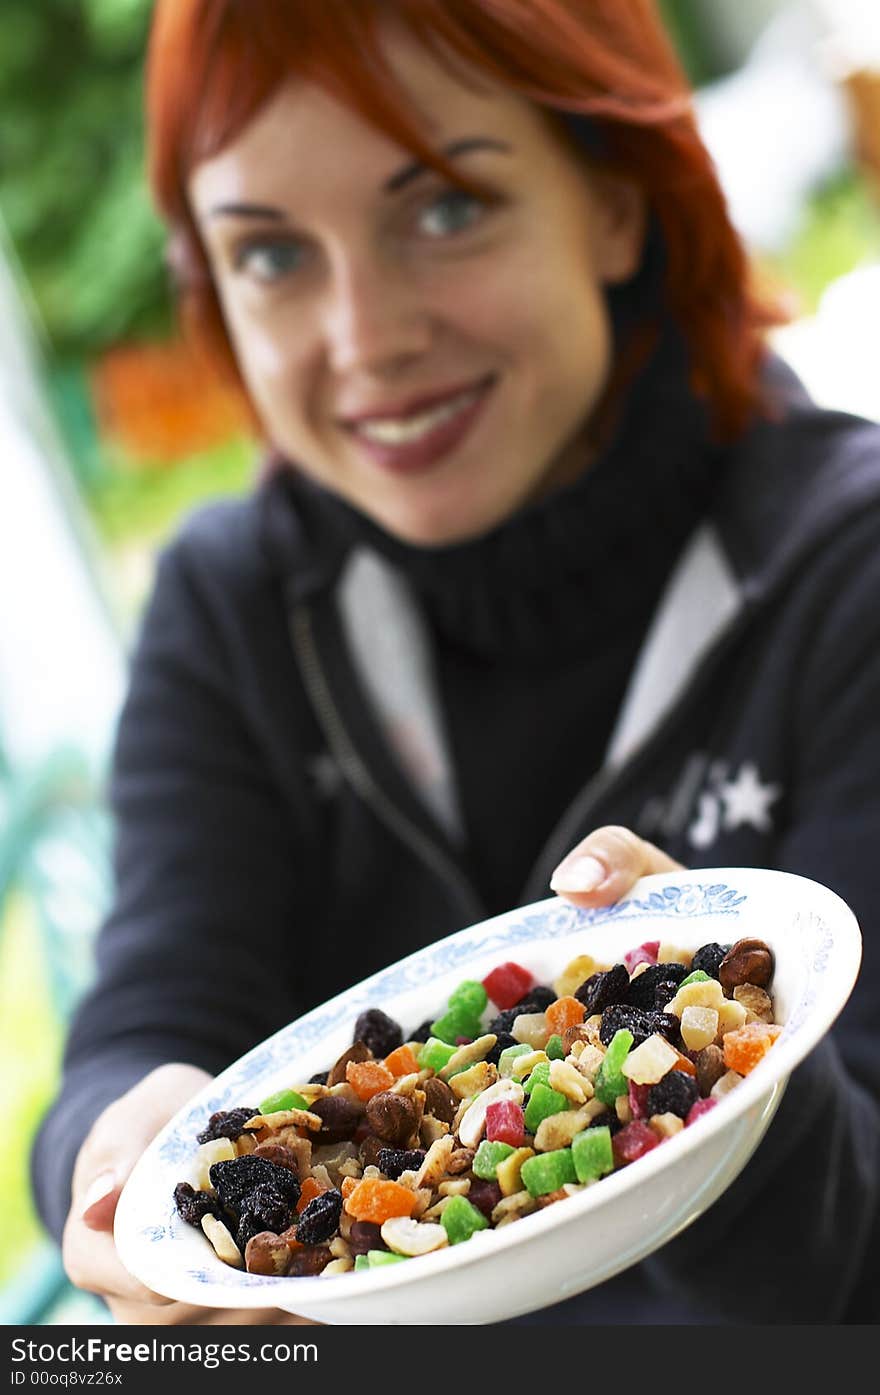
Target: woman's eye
[269,261]
[452,212]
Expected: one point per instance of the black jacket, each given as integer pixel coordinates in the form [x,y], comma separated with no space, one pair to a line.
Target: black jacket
[272,847]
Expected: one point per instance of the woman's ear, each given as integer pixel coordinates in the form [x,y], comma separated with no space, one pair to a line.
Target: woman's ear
[619,227]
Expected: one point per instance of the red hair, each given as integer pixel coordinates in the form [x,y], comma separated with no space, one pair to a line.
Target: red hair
[603,70]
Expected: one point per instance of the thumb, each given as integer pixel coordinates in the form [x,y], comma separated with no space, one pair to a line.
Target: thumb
[606,865]
[98,1206]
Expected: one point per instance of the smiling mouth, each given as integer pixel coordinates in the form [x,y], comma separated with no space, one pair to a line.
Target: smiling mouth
[405,430]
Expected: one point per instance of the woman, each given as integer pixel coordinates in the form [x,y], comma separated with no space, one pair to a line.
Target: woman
[546,545]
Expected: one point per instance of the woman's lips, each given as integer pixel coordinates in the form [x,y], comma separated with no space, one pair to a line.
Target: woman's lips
[407,444]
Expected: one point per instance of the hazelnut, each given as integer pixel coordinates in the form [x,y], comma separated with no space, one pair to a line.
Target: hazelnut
[339,1118]
[392,1117]
[747,961]
[266,1253]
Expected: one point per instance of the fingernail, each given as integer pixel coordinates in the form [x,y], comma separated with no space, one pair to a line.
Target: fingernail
[102,1186]
[582,873]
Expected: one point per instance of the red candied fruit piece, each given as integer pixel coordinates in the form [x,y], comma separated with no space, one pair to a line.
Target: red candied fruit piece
[507,984]
[698,1109]
[505,1124]
[638,1100]
[645,954]
[633,1141]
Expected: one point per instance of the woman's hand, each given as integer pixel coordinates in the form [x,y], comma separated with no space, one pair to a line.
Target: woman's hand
[117,1139]
[605,865]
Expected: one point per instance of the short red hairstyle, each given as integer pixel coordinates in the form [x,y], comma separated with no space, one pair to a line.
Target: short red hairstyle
[603,70]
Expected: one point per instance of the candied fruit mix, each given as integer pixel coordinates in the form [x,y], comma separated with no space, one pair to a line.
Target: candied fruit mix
[397,1149]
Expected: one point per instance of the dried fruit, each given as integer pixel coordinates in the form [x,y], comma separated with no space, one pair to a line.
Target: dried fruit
[237,1178]
[507,984]
[192,1205]
[674,1094]
[364,1236]
[376,1200]
[709,957]
[379,1032]
[632,1142]
[226,1123]
[320,1219]
[748,1045]
[642,1022]
[358,1051]
[604,988]
[263,1209]
[564,1012]
[393,1161]
[663,978]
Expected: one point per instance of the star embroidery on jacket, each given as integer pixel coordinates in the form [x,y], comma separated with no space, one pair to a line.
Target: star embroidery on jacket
[747,801]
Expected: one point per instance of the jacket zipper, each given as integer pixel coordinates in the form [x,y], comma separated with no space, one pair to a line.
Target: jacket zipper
[357,773]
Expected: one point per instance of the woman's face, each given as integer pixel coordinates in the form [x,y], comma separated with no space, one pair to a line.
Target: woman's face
[431,357]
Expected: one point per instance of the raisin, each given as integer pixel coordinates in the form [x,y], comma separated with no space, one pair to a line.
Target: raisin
[674,1094]
[608,1120]
[600,990]
[319,1221]
[485,1195]
[393,1161]
[500,1026]
[263,1209]
[423,1032]
[504,1040]
[236,1178]
[643,988]
[708,958]
[538,999]
[226,1123]
[664,992]
[642,1022]
[381,1033]
[319,1078]
[192,1205]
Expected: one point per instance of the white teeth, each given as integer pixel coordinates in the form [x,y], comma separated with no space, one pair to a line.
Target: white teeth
[401,431]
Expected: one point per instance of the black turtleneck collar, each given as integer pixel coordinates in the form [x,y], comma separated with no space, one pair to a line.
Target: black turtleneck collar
[564,569]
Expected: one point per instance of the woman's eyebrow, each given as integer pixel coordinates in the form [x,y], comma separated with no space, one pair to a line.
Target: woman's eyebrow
[458,147]
[396,182]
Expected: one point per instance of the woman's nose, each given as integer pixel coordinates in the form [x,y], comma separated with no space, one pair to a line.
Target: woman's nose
[374,318]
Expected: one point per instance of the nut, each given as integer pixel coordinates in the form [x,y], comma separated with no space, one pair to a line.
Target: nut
[408,1237]
[338,1266]
[470,1130]
[747,961]
[431,1129]
[224,1246]
[434,1162]
[266,1253]
[569,1081]
[710,1068]
[279,1155]
[371,1147]
[392,1117]
[358,1051]
[557,1130]
[510,1207]
[756,1002]
[455,1186]
[471,1081]
[285,1118]
[525,1064]
[439,1100]
[337,1118]
[476,1050]
[459,1161]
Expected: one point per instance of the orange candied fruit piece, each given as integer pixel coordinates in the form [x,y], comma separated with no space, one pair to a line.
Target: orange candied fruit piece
[745,1046]
[684,1063]
[377,1201]
[402,1061]
[348,1186]
[367,1078]
[311,1188]
[565,1012]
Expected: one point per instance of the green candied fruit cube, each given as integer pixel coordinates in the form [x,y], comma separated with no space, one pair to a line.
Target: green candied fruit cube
[610,1080]
[470,997]
[542,1104]
[554,1048]
[538,1075]
[698,976]
[435,1054]
[488,1156]
[361,1262]
[377,1258]
[456,1023]
[508,1056]
[591,1151]
[547,1172]
[460,1219]
[282,1099]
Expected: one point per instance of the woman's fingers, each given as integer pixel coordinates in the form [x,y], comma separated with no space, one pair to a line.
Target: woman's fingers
[606,864]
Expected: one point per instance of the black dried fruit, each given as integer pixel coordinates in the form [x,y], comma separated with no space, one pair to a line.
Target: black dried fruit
[504,1040]
[600,990]
[393,1161]
[642,1022]
[320,1078]
[664,993]
[226,1123]
[263,1209]
[708,958]
[192,1205]
[674,1094]
[423,1032]
[381,1033]
[500,1026]
[311,1259]
[642,989]
[607,1120]
[538,999]
[235,1178]
[485,1195]
[319,1221]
